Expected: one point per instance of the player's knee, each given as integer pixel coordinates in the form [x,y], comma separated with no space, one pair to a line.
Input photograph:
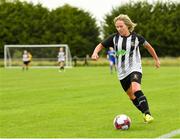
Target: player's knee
[135,87]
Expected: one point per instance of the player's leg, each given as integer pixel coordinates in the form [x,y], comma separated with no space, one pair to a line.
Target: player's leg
[111,66]
[133,89]
[138,98]
[59,63]
[23,66]
[62,65]
[27,65]
[114,64]
[140,101]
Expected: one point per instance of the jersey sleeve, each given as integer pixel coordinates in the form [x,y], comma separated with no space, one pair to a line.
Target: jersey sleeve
[108,42]
[142,40]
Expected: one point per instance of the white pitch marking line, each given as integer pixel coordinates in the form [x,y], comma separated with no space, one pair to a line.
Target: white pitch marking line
[170,134]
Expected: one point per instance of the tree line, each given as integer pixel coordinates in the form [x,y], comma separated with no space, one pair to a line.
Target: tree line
[159,23]
[26,23]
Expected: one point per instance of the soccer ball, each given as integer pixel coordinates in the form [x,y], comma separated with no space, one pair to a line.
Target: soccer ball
[122,122]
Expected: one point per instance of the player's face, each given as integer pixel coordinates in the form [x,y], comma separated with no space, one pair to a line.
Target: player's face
[111,48]
[121,27]
[61,49]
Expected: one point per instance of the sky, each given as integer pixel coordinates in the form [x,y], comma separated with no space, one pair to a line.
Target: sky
[97,8]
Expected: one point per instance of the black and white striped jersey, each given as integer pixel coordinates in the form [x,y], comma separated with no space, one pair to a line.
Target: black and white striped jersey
[127,52]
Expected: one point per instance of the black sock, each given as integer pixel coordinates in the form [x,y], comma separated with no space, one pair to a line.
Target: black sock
[141,102]
[136,103]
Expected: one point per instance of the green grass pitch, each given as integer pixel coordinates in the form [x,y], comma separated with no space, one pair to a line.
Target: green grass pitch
[82,102]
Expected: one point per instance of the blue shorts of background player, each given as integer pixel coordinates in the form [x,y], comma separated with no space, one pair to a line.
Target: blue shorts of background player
[112,61]
[111,55]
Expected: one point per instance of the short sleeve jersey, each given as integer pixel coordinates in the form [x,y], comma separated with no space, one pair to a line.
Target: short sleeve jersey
[61,56]
[127,52]
[25,57]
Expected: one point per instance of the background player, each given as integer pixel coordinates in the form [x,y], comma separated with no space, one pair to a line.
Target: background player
[61,59]
[26,58]
[111,56]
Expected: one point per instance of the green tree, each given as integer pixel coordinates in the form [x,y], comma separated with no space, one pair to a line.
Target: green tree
[74,27]
[25,23]
[158,23]
[22,23]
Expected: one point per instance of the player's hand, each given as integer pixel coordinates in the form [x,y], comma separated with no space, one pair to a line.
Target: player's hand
[95,56]
[157,63]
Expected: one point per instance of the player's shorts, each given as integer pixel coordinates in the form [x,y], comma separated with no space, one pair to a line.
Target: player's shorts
[26,62]
[112,61]
[132,77]
[61,60]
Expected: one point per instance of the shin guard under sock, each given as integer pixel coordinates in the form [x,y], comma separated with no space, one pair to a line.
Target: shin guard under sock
[141,102]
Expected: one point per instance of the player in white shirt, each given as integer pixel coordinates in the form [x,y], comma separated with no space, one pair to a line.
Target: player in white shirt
[26,60]
[126,44]
[61,59]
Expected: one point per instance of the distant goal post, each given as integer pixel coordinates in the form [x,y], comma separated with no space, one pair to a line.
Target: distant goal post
[43,56]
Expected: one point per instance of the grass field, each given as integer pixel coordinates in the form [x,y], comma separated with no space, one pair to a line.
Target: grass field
[82,102]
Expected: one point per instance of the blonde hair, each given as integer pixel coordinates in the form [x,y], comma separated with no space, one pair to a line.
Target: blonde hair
[127,21]
[61,49]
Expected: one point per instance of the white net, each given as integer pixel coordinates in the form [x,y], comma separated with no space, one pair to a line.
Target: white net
[43,56]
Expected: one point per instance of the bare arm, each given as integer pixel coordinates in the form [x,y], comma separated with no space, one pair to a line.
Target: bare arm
[98,48]
[107,56]
[153,54]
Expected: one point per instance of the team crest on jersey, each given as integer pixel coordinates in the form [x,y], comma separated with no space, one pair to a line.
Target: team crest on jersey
[121,52]
[135,76]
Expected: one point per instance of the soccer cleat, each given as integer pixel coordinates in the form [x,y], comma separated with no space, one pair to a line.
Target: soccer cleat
[147,118]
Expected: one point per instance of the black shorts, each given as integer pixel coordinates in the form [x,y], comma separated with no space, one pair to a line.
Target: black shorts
[26,62]
[133,77]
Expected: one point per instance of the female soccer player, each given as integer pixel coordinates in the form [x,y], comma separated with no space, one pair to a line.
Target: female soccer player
[26,60]
[61,59]
[126,43]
